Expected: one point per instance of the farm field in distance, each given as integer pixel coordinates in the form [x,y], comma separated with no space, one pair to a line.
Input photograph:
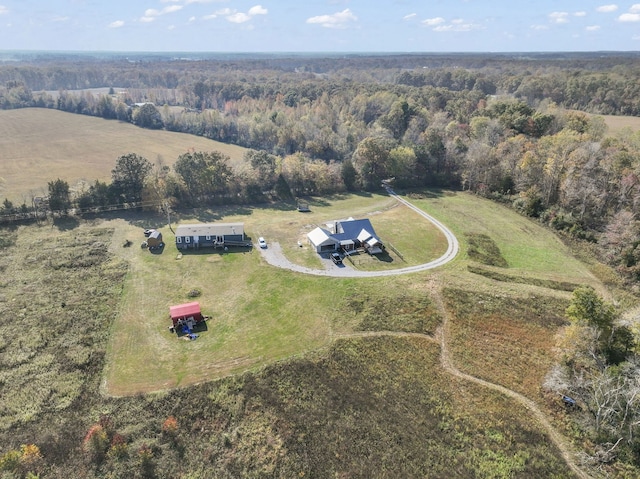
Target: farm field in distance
[39,145]
[617,123]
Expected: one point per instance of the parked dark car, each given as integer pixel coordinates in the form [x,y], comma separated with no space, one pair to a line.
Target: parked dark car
[335,257]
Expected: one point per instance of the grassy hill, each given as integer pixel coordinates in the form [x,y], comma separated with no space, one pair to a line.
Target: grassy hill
[296,375]
[41,145]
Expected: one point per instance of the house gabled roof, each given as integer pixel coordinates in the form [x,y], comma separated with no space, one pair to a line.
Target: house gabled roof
[361,230]
[210,229]
[320,236]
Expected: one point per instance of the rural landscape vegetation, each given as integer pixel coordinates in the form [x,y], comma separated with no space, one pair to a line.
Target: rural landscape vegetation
[519,358]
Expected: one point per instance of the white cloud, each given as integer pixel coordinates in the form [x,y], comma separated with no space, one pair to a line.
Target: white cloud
[432,22]
[336,20]
[188,2]
[558,17]
[238,17]
[457,26]
[580,14]
[150,14]
[607,8]
[209,17]
[171,9]
[59,18]
[224,11]
[635,8]
[592,28]
[3,10]
[116,24]
[539,27]
[258,10]
[410,16]
[629,17]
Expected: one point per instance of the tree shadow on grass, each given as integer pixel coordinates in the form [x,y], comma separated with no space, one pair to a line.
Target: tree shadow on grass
[66,223]
[430,193]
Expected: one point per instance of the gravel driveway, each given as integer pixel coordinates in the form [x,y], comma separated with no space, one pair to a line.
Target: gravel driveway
[274,256]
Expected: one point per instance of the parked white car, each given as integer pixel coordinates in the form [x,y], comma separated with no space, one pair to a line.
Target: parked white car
[262,242]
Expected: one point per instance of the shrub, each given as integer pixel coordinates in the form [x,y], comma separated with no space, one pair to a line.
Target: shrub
[118,448]
[170,426]
[10,461]
[145,455]
[30,456]
[96,442]
[23,462]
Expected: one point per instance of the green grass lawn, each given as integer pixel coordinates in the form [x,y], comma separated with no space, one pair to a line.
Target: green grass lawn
[261,313]
[528,248]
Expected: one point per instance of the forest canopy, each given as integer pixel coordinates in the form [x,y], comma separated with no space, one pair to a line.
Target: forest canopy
[522,129]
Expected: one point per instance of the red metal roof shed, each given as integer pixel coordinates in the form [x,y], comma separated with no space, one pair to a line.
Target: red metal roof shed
[185,311]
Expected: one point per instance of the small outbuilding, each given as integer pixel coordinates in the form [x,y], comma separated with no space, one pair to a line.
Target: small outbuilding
[154,240]
[187,314]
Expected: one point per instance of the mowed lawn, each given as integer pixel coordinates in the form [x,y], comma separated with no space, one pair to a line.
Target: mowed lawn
[529,249]
[259,313]
[39,145]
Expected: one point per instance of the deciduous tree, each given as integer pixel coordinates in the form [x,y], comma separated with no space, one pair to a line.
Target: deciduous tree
[129,175]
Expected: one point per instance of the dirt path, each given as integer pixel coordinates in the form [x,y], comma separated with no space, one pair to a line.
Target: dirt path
[447,364]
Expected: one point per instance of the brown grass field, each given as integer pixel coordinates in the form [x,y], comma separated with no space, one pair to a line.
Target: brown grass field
[41,145]
[617,124]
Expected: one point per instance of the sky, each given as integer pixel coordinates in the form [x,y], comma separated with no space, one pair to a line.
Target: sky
[319,25]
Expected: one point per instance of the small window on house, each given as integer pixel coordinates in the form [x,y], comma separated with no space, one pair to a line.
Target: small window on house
[187,239]
[208,238]
[178,239]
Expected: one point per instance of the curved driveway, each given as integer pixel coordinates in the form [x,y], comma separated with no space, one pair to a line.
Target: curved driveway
[274,256]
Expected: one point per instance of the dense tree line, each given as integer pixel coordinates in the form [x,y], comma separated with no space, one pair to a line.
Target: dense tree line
[495,125]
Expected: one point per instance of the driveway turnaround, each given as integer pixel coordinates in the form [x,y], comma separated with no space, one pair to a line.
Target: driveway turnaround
[274,256]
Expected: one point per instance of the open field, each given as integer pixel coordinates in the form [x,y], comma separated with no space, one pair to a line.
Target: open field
[261,313]
[39,145]
[324,380]
[616,124]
